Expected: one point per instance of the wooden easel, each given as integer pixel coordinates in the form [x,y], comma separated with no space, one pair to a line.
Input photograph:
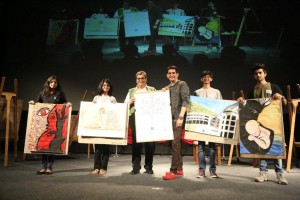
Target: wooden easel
[292,108]
[9,96]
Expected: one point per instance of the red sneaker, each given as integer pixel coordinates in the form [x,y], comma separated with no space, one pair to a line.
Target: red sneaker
[169,176]
[180,172]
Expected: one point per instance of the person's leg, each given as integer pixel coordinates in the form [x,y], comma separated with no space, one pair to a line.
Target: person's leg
[279,172]
[44,161]
[176,164]
[201,156]
[136,154]
[122,39]
[212,157]
[97,157]
[105,156]
[149,152]
[152,40]
[50,162]
[263,168]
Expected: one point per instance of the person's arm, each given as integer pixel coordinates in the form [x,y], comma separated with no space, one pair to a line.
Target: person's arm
[278,94]
[184,94]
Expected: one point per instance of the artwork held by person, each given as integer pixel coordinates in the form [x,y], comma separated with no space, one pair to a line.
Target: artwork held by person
[101,29]
[106,120]
[176,25]
[63,32]
[153,117]
[207,30]
[261,129]
[212,120]
[48,128]
[136,24]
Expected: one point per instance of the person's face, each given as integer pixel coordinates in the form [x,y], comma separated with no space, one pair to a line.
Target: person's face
[100,10]
[175,5]
[53,84]
[150,4]
[172,75]
[260,75]
[206,79]
[126,5]
[141,81]
[105,87]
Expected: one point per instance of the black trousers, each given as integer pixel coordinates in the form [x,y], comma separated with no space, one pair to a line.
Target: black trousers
[122,38]
[101,159]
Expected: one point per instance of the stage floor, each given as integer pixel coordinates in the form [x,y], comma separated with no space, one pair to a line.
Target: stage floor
[72,179]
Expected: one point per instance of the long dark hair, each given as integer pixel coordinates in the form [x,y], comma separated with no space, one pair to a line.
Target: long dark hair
[47,90]
[107,81]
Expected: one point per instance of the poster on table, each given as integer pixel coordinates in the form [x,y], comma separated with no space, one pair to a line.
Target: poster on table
[261,129]
[101,28]
[107,122]
[212,120]
[136,24]
[176,25]
[207,30]
[48,127]
[153,118]
[63,32]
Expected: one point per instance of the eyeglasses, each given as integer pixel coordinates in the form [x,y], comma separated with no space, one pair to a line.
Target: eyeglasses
[140,78]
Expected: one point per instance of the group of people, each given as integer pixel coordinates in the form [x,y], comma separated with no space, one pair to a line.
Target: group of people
[179,99]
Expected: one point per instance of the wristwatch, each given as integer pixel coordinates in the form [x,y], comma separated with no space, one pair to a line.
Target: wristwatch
[180,117]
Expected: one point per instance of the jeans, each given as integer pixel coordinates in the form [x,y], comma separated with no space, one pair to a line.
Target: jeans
[201,156]
[263,166]
[101,156]
[176,164]
[47,161]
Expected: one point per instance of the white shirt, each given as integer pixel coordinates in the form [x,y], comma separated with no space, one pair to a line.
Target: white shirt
[104,99]
[209,93]
[176,11]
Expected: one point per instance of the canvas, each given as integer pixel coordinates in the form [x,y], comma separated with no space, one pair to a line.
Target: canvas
[101,29]
[136,24]
[212,120]
[176,25]
[48,128]
[103,120]
[261,129]
[153,116]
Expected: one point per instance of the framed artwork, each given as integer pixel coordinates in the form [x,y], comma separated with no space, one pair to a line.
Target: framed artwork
[62,32]
[261,129]
[176,25]
[212,120]
[103,120]
[136,24]
[48,128]
[153,118]
[101,29]
[207,30]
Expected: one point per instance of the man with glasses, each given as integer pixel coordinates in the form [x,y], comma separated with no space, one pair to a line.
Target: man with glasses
[207,92]
[141,86]
[179,97]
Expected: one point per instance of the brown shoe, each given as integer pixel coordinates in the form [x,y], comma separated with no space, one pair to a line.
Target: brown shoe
[48,172]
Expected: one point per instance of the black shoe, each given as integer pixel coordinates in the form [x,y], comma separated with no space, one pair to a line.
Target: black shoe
[133,172]
[148,171]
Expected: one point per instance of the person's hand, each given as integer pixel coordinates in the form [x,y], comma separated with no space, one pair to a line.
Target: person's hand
[31,102]
[241,100]
[154,27]
[132,100]
[277,96]
[69,105]
[179,123]
[164,89]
